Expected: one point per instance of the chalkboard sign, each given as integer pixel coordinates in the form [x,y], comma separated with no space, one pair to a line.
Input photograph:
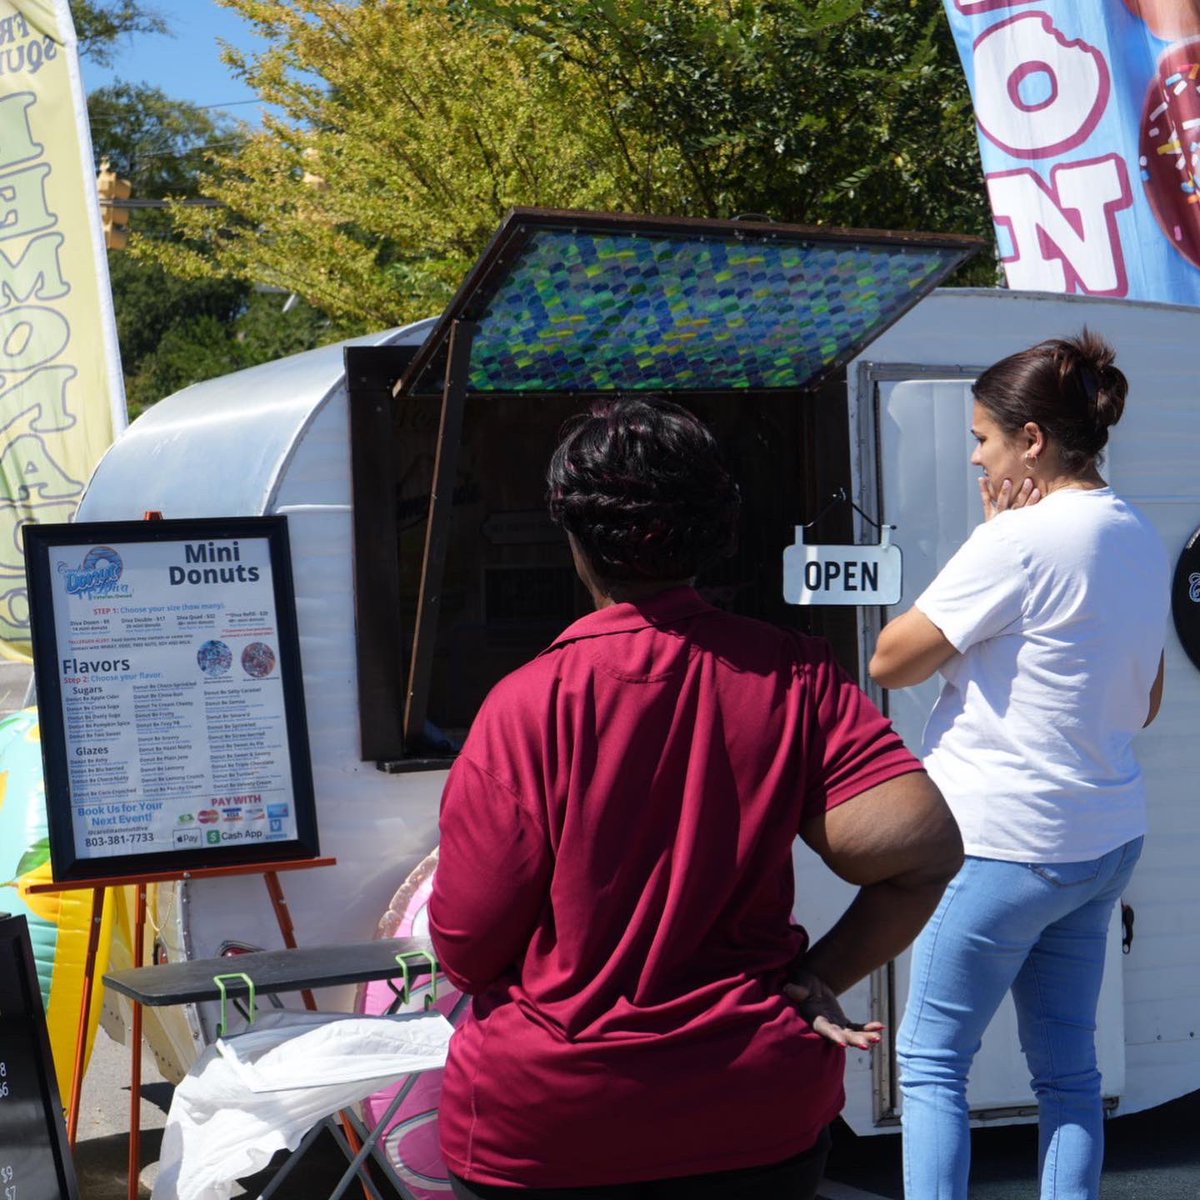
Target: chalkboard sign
[170,696]
[35,1163]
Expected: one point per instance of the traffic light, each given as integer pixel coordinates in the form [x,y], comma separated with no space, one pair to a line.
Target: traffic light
[112,191]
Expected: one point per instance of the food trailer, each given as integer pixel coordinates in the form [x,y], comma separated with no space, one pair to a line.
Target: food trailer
[410,467]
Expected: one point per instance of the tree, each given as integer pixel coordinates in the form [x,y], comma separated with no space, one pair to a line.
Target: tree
[160,144]
[100,24]
[410,126]
[405,138]
[815,111]
[198,345]
[174,331]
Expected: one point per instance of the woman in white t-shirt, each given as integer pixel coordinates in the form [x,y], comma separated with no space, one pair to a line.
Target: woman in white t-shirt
[1047,626]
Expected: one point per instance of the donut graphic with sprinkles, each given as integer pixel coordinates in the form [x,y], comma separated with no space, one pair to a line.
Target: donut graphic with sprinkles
[214,658]
[1170,147]
[103,556]
[258,660]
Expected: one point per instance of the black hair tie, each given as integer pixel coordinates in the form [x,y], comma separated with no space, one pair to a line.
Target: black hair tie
[1090,382]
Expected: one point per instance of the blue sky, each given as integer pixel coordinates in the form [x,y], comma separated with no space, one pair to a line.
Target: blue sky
[188,65]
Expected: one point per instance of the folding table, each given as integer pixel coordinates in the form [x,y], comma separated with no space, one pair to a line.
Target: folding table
[268,972]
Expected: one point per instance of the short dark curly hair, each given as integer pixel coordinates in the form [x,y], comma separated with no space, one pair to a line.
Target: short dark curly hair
[643,487]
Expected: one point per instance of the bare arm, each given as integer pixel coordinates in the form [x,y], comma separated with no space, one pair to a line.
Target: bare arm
[910,649]
[1156,692]
[493,877]
[899,842]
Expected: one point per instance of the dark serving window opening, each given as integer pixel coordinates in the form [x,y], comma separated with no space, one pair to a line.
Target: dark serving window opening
[459,576]
[508,586]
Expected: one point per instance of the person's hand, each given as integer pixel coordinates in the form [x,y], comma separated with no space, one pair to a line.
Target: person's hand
[820,1008]
[1008,497]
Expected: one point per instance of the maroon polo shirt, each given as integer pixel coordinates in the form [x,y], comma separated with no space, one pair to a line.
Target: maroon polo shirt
[615,888]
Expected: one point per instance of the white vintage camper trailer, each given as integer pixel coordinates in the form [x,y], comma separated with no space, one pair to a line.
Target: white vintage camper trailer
[320,438]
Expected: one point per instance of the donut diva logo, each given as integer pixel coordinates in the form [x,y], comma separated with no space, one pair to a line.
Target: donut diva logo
[97,576]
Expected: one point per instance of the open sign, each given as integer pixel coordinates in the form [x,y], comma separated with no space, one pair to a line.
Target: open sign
[858,575]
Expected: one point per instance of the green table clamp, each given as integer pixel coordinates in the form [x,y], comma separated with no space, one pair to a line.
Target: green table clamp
[405,990]
[219,980]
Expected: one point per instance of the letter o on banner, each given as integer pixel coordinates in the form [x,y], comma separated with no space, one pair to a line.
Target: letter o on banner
[14,609]
[1037,93]
[31,336]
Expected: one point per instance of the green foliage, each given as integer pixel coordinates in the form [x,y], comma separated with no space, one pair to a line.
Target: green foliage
[405,137]
[813,111]
[100,24]
[175,331]
[410,126]
[158,143]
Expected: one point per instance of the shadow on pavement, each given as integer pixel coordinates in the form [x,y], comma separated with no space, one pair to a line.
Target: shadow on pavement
[100,1164]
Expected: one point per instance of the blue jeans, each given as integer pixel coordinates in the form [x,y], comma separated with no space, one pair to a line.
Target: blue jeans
[1040,930]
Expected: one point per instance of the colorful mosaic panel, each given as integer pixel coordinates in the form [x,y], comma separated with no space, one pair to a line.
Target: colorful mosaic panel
[586,311]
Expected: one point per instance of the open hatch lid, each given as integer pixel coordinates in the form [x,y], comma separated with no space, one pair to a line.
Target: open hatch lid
[576,302]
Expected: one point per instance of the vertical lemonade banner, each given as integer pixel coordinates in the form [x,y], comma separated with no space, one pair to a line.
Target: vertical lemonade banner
[61,404]
[61,396]
[1089,130]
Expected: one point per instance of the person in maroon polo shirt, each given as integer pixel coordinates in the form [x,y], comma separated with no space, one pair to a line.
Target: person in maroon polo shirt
[615,883]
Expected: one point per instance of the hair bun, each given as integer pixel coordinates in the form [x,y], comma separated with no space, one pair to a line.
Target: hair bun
[1104,385]
[1109,403]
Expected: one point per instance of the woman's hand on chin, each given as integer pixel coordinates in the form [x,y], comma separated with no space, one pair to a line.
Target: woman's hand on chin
[1007,498]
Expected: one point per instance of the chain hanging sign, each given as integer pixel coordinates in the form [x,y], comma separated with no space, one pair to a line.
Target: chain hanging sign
[839,574]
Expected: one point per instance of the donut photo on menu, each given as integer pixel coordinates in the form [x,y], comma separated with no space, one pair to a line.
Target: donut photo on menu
[215,658]
[258,660]
[1168,19]
[1169,147]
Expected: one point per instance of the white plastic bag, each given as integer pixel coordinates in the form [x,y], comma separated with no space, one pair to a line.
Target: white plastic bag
[251,1095]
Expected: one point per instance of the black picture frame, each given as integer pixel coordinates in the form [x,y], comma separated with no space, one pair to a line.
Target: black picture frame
[33,1136]
[44,546]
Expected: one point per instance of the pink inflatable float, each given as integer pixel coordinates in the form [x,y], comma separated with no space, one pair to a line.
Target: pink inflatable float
[411,1139]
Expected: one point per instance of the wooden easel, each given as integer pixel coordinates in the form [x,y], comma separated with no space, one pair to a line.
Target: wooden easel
[270,875]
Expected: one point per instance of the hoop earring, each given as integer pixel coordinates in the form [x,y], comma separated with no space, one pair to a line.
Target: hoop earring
[1029,466]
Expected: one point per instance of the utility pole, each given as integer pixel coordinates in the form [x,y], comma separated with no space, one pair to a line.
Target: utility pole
[113,190]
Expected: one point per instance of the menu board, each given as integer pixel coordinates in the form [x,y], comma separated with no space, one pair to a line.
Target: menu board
[169,695]
[35,1163]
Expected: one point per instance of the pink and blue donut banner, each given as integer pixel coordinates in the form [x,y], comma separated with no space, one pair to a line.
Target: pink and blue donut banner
[1088,115]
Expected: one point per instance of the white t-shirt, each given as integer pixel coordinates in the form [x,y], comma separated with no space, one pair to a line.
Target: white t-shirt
[1058,613]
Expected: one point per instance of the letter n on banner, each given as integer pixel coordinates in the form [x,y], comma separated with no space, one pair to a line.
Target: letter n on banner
[1064,237]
